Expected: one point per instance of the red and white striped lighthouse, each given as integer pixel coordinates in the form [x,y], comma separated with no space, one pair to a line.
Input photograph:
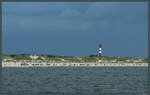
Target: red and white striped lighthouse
[100,50]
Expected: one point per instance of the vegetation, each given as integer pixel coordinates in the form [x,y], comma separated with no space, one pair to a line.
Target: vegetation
[90,58]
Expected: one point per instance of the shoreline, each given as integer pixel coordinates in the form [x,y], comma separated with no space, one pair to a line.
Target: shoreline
[64,66]
[19,64]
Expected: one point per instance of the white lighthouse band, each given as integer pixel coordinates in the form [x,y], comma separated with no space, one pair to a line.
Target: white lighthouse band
[100,51]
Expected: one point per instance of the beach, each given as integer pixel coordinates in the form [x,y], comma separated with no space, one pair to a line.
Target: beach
[62,64]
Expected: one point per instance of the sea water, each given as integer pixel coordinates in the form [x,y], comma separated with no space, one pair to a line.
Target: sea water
[74,80]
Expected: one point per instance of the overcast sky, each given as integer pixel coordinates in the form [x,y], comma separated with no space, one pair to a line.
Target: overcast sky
[75,29]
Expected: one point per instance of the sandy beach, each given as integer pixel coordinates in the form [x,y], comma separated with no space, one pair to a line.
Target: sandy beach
[18,64]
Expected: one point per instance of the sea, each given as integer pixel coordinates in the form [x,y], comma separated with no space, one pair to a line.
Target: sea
[74,81]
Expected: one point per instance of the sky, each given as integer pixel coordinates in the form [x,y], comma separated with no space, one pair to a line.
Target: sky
[75,28]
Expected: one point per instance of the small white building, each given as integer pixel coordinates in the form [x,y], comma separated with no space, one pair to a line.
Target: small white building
[113,61]
[34,56]
[100,61]
[63,60]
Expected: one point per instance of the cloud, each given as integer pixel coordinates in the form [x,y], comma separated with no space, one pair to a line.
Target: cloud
[70,13]
[116,25]
[79,16]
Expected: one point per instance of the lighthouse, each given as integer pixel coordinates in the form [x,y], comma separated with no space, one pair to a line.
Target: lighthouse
[100,50]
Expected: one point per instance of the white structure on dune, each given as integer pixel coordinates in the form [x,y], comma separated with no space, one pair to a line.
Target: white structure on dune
[34,56]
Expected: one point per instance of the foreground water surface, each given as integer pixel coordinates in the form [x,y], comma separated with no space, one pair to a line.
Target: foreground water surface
[74,80]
